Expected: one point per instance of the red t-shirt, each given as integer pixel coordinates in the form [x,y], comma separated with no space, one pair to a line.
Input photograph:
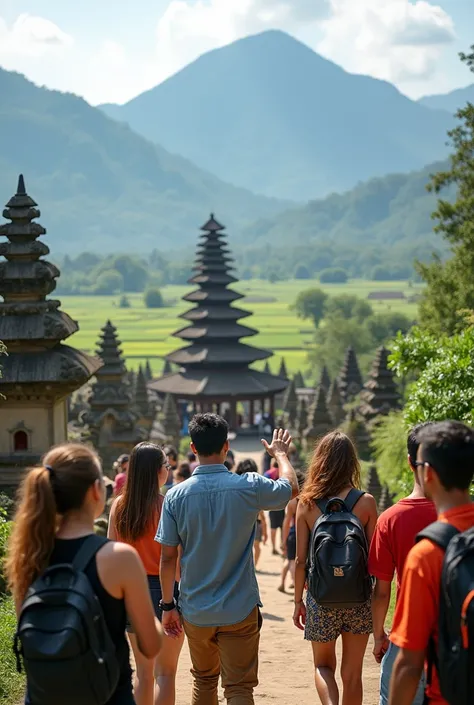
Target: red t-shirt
[395,535]
[119,481]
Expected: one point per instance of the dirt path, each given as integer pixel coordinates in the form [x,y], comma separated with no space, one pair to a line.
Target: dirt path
[286,674]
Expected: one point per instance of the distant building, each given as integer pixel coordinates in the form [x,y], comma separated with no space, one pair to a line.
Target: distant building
[214,368]
[40,372]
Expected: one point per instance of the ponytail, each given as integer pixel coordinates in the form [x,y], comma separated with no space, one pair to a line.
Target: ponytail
[47,492]
[32,539]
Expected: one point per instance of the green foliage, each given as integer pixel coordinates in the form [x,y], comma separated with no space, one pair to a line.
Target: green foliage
[153,298]
[450,285]
[124,302]
[5,531]
[334,275]
[302,272]
[12,683]
[109,282]
[444,369]
[348,306]
[311,304]
[389,444]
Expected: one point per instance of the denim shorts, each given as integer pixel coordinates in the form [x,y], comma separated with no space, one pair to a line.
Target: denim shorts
[156,595]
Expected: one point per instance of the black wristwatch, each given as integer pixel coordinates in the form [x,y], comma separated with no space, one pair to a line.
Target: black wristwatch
[167,606]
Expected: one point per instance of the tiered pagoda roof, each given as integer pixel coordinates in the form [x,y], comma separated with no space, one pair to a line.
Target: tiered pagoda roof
[320,420]
[350,379]
[380,394]
[215,363]
[32,326]
[111,392]
[334,402]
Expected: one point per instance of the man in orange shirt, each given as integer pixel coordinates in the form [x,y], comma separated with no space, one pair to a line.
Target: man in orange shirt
[446,462]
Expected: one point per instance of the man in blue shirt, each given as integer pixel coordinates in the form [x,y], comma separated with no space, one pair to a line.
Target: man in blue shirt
[212,517]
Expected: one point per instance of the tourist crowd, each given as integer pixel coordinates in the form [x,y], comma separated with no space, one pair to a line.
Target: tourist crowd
[184,542]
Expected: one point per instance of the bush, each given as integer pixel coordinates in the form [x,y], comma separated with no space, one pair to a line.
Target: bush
[12,683]
[109,282]
[124,302]
[302,272]
[153,298]
[335,275]
[5,530]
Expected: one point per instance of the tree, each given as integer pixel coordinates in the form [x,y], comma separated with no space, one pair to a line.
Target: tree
[334,337]
[109,282]
[444,370]
[348,306]
[334,275]
[134,273]
[153,298]
[383,326]
[124,302]
[450,285]
[302,272]
[311,304]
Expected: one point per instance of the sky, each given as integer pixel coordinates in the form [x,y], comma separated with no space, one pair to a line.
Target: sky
[112,50]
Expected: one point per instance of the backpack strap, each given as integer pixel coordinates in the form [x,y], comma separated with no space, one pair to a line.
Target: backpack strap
[86,553]
[438,533]
[352,499]
[322,505]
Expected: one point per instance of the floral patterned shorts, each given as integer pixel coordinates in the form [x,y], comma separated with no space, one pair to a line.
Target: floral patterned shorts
[325,624]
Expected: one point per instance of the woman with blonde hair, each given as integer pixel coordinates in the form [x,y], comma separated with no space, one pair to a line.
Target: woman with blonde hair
[331,486]
[134,519]
[58,504]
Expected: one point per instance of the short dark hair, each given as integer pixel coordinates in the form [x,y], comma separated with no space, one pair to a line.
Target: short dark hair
[413,442]
[122,459]
[184,471]
[208,433]
[171,452]
[448,446]
[247,465]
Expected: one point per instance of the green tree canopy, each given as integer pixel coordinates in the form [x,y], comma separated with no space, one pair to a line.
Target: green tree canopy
[311,304]
[348,306]
[450,285]
[109,282]
[153,298]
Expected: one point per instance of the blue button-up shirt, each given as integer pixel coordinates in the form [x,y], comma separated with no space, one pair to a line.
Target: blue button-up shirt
[212,517]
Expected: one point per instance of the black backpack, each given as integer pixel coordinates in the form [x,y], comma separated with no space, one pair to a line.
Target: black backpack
[454,659]
[62,637]
[337,571]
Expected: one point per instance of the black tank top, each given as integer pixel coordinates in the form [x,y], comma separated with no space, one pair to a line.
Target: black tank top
[114,610]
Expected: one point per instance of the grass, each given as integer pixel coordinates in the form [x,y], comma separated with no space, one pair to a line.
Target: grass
[12,684]
[148,333]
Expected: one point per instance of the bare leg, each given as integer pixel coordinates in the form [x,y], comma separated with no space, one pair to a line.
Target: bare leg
[273,537]
[166,665]
[256,552]
[284,573]
[144,682]
[324,657]
[353,651]
[292,567]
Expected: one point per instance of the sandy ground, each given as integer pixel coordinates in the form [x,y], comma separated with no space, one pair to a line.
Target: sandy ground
[286,673]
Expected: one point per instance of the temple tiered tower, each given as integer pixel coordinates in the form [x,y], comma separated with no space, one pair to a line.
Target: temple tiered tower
[39,372]
[320,420]
[335,405]
[141,401]
[380,394]
[111,421]
[374,486]
[324,379]
[290,404]
[350,378]
[215,370]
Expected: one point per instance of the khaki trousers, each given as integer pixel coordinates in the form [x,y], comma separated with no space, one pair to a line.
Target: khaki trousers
[230,651]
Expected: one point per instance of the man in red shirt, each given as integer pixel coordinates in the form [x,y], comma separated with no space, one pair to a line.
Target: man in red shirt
[394,537]
[446,464]
[121,476]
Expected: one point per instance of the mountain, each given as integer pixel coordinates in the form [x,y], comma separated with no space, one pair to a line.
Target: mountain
[269,114]
[383,213]
[451,102]
[99,185]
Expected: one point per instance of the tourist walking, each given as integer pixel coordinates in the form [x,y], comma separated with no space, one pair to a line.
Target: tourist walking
[334,526]
[172,457]
[261,529]
[393,539]
[121,476]
[133,520]
[288,537]
[438,577]
[212,518]
[183,473]
[277,516]
[54,526]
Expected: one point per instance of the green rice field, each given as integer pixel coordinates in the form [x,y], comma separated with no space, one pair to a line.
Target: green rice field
[148,333]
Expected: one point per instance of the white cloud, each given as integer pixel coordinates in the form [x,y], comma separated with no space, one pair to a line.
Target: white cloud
[32,36]
[396,40]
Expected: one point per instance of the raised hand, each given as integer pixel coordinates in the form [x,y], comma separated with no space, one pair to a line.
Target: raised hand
[280,444]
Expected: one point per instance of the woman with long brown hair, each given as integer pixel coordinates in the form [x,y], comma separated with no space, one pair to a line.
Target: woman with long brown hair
[58,504]
[134,519]
[334,472]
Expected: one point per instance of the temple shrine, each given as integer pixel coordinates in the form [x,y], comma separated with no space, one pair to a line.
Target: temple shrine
[214,368]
